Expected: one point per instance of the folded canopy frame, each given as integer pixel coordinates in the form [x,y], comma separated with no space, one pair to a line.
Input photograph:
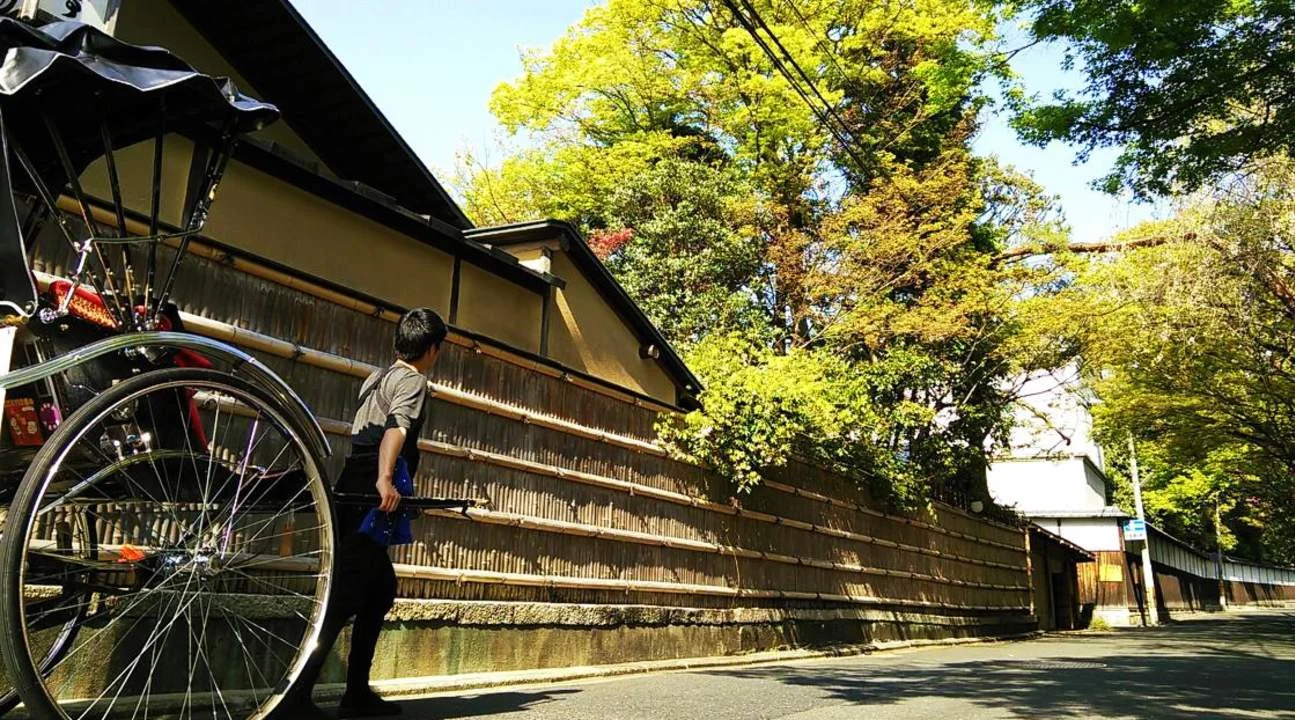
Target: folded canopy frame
[70,95]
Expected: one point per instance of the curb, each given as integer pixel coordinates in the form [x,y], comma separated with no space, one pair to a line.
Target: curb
[434,684]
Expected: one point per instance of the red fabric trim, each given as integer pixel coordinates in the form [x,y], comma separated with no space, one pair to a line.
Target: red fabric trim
[86,304]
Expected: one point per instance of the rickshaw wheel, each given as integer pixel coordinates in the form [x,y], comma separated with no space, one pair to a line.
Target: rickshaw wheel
[208,581]
[74,533]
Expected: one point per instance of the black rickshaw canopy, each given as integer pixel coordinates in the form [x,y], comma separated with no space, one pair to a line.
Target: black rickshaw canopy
[71,94]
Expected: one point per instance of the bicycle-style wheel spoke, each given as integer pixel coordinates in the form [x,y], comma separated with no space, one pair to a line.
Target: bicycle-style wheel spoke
[198,572]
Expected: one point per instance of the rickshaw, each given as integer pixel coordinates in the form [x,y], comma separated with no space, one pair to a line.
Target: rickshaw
[167,538]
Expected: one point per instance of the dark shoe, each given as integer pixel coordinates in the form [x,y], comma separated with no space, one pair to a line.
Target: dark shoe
[299,709]
[366,704]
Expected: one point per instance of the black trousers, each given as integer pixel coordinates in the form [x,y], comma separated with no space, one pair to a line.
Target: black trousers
[364,588]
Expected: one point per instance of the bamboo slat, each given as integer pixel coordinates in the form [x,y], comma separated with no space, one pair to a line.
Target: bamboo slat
[339,427]
[495,517]
[628,586]
[688,500]
[541,524]
[801,492]
[346,366]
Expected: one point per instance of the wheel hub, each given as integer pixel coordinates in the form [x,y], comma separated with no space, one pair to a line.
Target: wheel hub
[201,564]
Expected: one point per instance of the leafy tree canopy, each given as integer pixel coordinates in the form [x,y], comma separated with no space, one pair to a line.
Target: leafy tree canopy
[1191,90]
[831,273]
[1190,345]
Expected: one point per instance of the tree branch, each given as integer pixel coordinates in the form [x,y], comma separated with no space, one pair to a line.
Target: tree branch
[1035,250]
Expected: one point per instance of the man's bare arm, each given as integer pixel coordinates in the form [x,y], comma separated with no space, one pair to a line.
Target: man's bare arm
[388,451]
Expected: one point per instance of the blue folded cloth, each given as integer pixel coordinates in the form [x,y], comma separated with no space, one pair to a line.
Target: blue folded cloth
[393,528]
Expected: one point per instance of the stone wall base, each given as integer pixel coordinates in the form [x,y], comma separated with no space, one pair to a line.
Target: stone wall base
[438,638]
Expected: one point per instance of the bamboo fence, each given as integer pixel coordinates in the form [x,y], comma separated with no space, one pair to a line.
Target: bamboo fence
[584,505]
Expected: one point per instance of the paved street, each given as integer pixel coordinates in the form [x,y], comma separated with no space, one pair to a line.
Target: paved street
[1239,667]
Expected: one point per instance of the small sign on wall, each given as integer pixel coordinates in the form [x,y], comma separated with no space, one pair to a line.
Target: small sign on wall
[1111,573]
[1135,530]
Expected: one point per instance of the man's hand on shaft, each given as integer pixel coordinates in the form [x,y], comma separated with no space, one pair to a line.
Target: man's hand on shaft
[389,497]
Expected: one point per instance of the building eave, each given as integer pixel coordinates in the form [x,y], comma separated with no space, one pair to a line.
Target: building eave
[1109,512]
[1057,539]
[602,279]
[386,210]
[271,45]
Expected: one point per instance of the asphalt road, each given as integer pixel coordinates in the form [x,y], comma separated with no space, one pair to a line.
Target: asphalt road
[1239,667]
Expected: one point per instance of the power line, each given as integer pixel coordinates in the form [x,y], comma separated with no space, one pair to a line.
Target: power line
[822,116]
[827,51]
[831,109]
[832,58]
[820,112]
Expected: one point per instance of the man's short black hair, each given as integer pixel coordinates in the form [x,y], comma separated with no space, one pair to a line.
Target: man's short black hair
[418,331]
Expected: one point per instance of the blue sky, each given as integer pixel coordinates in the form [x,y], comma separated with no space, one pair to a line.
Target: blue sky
[430,65]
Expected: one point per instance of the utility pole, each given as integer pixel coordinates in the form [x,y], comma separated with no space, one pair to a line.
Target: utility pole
[1218,553]
[1148,574]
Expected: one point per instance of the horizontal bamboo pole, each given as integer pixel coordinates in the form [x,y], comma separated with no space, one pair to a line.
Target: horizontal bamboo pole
[339,427]
[947,507]
[851,505]
[335,363]
[455,575]
[677,498]
[346,366]
[339,364]
[494,517]
[255,269]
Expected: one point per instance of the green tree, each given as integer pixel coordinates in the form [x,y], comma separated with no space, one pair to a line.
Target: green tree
[1190,344]
[832,273]
[686,247]
[1191,90]
[637,81]
[1180,494]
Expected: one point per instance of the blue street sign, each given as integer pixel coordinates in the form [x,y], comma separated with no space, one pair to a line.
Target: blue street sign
[1134,530]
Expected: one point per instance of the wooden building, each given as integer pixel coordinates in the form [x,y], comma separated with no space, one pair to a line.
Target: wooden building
[1054,577]
[1066,493]
[333,177]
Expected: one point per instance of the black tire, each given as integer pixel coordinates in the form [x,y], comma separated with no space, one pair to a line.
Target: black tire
[202,570]
[76,614]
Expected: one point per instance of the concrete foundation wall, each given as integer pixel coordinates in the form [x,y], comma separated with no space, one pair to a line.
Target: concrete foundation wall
[447,638]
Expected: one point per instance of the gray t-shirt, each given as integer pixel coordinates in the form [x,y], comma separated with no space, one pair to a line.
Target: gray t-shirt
[391,398]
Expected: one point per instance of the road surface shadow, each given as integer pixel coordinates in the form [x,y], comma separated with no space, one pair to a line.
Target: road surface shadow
[1215,669]
[493,703]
